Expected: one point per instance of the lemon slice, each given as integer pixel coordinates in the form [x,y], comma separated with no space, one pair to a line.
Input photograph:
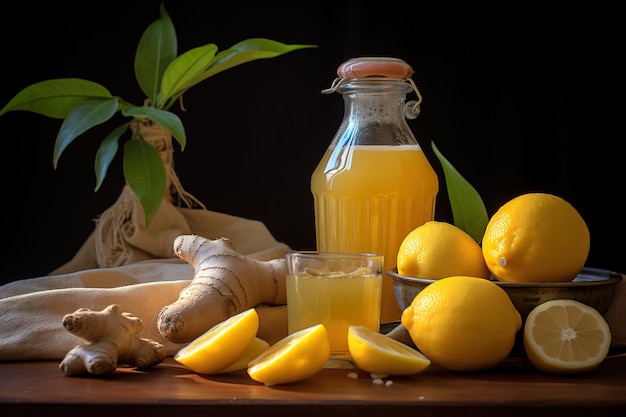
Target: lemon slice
[296,357]
[221,345]
[380,354]
[566,336]
[257,347]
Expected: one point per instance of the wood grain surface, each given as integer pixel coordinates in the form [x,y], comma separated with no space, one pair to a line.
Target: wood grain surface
[513,388]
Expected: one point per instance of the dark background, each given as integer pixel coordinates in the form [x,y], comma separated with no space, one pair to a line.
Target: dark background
[519,98]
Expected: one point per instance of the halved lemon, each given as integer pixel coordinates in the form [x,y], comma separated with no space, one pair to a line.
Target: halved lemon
[221,345]
[566,336]
[296,357]
[257,347]
[380,354]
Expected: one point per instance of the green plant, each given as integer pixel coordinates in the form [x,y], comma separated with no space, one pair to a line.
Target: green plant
[163,76]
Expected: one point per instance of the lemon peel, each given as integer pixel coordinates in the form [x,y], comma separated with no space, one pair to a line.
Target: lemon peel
[536,237]
[297,356]
[463,323]
[437,250]
[381,355]
[221,345]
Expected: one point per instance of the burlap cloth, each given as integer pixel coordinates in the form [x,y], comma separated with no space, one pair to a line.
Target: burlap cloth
[144,276]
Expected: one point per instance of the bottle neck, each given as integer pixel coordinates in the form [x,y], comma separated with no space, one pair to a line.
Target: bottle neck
[374,112]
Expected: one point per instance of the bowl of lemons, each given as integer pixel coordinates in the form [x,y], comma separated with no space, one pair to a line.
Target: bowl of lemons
[534,247]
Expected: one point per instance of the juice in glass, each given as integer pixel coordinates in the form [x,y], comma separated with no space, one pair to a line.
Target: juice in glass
[336,290]
[367,198]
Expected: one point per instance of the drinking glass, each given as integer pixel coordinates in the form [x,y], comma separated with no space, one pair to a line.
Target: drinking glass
[335,289]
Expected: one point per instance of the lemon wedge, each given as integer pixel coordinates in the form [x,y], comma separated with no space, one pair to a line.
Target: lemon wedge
[257,347]
[380,354]
[221,345]
[566,336]
[296,357]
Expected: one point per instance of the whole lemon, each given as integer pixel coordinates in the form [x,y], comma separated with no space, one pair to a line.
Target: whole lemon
[437,250]
[463,323]
[536,237]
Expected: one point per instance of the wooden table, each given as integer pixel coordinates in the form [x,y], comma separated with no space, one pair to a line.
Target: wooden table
[514,388]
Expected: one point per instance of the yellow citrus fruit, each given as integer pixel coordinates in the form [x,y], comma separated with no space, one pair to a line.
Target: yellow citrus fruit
[257,347]
[379,354]
[463,323]
[536,237]
[221,345]
[566,337]
[298,356]
[437,250]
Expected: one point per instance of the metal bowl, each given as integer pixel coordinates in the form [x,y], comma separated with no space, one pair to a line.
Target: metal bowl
[593,287]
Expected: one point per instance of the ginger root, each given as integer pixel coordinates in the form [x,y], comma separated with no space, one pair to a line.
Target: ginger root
[112,341]
[225,283]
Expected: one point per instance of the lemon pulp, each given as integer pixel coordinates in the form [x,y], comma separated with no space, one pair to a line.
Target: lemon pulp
[376,353]
[566,336]
[221,345]
[298,356]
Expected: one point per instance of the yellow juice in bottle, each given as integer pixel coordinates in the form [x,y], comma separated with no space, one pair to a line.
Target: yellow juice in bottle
[336,302]
[367,198]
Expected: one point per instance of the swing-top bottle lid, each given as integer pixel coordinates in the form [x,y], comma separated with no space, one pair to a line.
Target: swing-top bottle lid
[375,67]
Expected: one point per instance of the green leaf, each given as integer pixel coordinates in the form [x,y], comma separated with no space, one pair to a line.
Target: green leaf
[145,174]
[246,51]
[84,116]
[468,209]
[157,47]
[106,152]
[55,98]
[182,72]
[168,120]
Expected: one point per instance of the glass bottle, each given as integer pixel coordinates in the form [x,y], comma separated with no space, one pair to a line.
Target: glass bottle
[374,183]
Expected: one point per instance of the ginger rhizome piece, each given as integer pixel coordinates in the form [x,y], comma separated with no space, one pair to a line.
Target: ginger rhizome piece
[111,341]
[225,283]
